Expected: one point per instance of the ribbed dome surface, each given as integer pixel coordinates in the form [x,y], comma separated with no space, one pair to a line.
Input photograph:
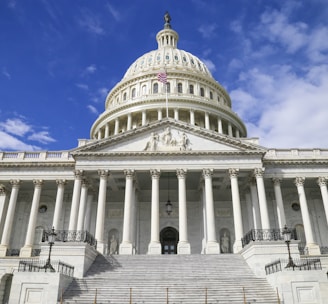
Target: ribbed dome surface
[169,58]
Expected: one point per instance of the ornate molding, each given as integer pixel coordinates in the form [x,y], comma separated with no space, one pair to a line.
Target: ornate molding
[103,173]
[61,182]
[129,174]
[38,183]
[3,190]
[233,172]
[322,181]
[154,173]
[207,173]
[276,181]
[15,183]
[258,172]
[299,181]
[78,174]
[181,173]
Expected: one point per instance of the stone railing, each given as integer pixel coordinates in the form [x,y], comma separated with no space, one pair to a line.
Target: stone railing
[80,236]
[266,235]
[36,265]
[286,154]
[36,156]
[299,264]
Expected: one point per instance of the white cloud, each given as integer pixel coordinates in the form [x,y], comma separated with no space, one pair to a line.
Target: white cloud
[15,126]
[82,86]
[208,30]
[103,92]
[91,23]
[210,65]
[6,73]
[91,69]
[41,137]
[92,109]
[115,13]
[9,142]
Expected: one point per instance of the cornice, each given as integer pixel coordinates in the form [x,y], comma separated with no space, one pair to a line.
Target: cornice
[37,164]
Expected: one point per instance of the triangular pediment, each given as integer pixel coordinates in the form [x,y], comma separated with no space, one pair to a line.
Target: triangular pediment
[170,136]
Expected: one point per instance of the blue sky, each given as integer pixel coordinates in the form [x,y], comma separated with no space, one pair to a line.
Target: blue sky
[58,60]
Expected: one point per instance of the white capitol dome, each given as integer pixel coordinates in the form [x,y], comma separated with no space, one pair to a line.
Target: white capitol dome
[192,96]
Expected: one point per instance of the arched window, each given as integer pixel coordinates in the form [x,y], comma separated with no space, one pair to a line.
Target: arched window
[124,96]
[191,89]
[133,94]
[155,88]
[144,89]
[211,95]
[202,92]
[168,87]
[179,87]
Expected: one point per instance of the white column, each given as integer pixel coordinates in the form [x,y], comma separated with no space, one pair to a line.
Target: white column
[192,117]
[126,245]
[133,226]
[100,222]
[220,130]
[26,251]
[75,200]
[99,134]
[143,118]
[322,182]
[230,129]
[183,245]
[258,172]
[176,114]
[3,205]
[237,216]
[83,205]
[159,114]
[59,203]
[279,202]
[107,130]
[237,133]
[88,213]
[129,122]
[207,121]
[212,246]
[5,240]
[255,204]
[154,245]
[311,246]
[117,126]
[204,240]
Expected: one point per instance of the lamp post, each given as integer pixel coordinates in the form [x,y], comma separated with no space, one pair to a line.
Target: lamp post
[51,242]
[287,233]
[168,204]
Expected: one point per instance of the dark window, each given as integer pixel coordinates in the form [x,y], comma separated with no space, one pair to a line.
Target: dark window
[202,92]
[191,89]
[179,87]
[155,88]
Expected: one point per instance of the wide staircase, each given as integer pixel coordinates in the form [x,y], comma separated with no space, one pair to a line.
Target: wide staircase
[170,279]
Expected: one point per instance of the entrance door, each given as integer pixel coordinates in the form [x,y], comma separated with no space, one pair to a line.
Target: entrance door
[169,240]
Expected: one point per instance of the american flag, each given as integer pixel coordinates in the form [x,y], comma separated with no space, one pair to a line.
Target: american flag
[162,77]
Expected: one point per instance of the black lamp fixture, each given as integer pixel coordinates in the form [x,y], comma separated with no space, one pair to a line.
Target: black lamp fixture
[287,233]
[168,204]
[51,242]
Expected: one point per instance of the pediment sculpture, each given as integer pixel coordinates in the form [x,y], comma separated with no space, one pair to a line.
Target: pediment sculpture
[166,141]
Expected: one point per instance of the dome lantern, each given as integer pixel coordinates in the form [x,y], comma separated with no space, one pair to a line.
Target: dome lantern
[167,37]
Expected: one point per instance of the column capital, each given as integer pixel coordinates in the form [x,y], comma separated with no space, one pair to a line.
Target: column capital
[181,173]
[61,182]
[299,181]
[103,173]
[233,172]
[258,172]
[276,181]
[207,173]
[322,181]
[85,183]
[78,174]
[155,173]
[15,183]
[3,190]
[129,173]
[37,182]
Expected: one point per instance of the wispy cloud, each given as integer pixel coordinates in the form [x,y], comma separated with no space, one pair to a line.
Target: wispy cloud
[210,65]
[41,137]
[9,142]
[114,12]
[82,86]
[208,30]
[91,23]
[91,69]
[15,126]
[5,73]
[92,109]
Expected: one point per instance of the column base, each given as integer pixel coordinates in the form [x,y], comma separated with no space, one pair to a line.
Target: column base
[183,248]
[3,250]
[102,247]
[212,247]
[126,249]
[25,252]
[155,248]
[312,249]
[237,246]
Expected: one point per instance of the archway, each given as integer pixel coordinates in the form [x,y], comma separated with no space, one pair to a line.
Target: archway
[169,240]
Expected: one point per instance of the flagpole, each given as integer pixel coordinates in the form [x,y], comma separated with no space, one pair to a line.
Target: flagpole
[167,102]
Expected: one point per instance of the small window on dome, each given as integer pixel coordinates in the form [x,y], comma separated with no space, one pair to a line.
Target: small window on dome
[155,88]
[184,59]
[211,95]
[176,57]
[133,93]
[124,96]
[167,57]
[179,87]
[192,61]
[168,87]
[144,90]
[202,92]
[191,89]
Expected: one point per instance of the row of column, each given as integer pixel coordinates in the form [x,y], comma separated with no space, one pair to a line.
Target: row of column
[81,203]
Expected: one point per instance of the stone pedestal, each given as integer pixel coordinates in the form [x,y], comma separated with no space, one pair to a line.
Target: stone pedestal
[312,249]
[3,251]
[212,248]
[155,248]
[25,252]
[183,248]
[237,246]
[126,249]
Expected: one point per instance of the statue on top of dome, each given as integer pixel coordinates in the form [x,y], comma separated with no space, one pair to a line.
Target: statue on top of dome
[167,19]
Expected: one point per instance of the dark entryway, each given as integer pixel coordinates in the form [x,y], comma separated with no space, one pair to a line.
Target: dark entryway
[169,240]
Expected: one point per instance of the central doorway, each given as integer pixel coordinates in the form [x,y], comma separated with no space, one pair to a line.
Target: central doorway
[169,240]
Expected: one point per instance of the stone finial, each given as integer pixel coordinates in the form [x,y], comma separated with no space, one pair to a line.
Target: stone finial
[167,19]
